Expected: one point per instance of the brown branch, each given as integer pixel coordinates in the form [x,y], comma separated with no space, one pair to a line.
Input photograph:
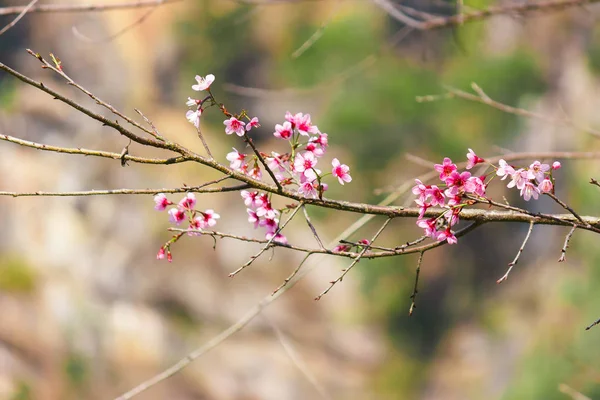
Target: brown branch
[95,153]
[45,8]
[563,251]
[18,17]
[413,296]
[516,259]
[483,98]
[312,227]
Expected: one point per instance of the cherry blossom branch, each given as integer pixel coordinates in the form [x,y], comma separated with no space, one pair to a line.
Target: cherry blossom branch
[563,251]
[413,296]
[516,259]
[185,189]
[46,8]
[355,261]
[565,206]
[18,17]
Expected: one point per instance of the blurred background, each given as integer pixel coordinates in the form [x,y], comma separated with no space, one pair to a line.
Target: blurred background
[86,310]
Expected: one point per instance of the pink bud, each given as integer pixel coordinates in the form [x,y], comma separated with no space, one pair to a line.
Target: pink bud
[556,165]
[161,254]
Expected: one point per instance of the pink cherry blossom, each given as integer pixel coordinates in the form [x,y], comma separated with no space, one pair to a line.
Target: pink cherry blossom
[195,225]
[423,206]
[203,82]
[192,102]
[475,185]
[161,202]
[340,248]
[445,169]
[234,125]
[267,211]
[545,186]
[313,148]
[252,199]
[538,169]
[275,163]
[194,117]
[421,190]
[276,237]
[529,190]
[341,171]
[161,254]
[255,173]
[473,159]
[284,131]
[505,170]
[272,224]
[307,189]
[321,140]
[252,217]
[208,218]
[236,159]
[456,182]
[302,123]
[519,178]
[252,124]
[447,235]
[556,165]
[188,202]
[176,216]
[429,226]
[437,196]
[304,162]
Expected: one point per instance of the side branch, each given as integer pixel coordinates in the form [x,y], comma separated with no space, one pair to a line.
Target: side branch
[45,8]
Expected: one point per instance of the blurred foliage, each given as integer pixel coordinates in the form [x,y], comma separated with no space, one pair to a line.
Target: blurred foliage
[23,392]
[17,276]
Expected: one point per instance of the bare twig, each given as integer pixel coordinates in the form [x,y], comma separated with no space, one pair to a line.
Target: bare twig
[316,35]
[413,296]
[46,8]
[120,32]
[565,206]
[483,98]
[297,361]
[594,182]
[155,131]
[516,260]
[312,227]
[18,17]
[563,251]
[592,325]
[95,153]
[355,261]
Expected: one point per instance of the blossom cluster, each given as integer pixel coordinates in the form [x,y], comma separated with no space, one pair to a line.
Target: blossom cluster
[184,211]
[262,214]
[458,189]
[296,168]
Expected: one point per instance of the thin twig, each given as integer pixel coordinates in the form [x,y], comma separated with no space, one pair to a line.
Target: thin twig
[594,182]
[565,206]
[413,296]
[315,36]
[268,244]
[46,8]
[355,261]
[18,17]
[563,251]
[516,260]
[312,227]
[155,131]
[297,361]
[95,153]
[593,324]
[120,32]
